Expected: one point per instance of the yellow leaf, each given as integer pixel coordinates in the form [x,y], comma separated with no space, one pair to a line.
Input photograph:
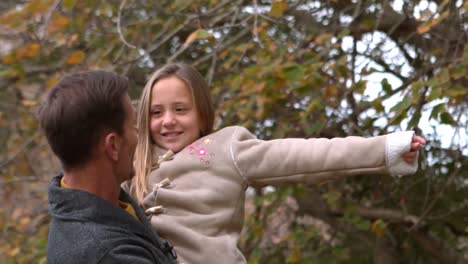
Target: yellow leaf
[76,57]
[278,8]
[259,87]
[51,82]
[10,58]
[9,18]
[28,102]
[16,214]
[72,39]
[24,221]
[14,252]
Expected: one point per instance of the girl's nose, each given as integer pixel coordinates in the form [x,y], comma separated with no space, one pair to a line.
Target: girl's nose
[169,119]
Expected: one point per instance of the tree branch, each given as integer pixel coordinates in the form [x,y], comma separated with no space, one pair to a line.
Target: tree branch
[119,28]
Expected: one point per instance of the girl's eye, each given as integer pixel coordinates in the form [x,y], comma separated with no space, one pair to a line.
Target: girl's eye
[180,109]
[156,112]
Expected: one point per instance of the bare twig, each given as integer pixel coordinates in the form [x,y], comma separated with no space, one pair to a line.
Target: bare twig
[119,28]
[212,69]
[44,29]
[389,215]
[224,46]
[255,30]
[437,197]
[20,179]
[21,148]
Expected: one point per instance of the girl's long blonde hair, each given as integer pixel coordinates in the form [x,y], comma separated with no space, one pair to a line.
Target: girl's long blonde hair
[144,155]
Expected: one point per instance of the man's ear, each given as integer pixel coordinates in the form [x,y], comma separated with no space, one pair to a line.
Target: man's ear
[112,145]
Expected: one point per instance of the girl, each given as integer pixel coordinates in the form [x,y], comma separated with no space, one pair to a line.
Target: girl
[193,182]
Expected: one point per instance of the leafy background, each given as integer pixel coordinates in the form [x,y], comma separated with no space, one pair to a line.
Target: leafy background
[282,69]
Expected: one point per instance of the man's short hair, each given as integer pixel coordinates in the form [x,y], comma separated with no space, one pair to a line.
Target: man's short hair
[78,109]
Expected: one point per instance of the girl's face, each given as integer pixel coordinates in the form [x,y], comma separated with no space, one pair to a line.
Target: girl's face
[174,122]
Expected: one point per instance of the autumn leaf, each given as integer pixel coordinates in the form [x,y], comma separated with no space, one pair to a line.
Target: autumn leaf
[26,102]
[15,251]
[31,50]
[278,8]
[197,35]
[378,227]
[76,57]
[10,58]
[321,39]
[38,6]
[58,22]
[51,82]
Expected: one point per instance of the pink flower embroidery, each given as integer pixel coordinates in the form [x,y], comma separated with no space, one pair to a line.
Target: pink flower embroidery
[202,152]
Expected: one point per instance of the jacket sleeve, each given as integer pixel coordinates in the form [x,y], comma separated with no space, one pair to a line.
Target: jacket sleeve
[132,253]
[315,160]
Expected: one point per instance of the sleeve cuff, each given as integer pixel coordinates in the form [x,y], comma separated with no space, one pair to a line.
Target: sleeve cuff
[398,144]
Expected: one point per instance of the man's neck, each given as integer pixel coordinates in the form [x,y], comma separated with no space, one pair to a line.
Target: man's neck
[94,180]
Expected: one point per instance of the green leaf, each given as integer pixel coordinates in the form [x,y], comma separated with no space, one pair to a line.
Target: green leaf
[352,216]
[315,128]
[458,72]
[437,110]
[446,118]
[69,4]
[414,120]
[332,198]
[456,91]
[402,106]
[303,89]
[417,85]
[345,32]
[360,87]
[377,104]
[293,72]
[435,93]
[386,86]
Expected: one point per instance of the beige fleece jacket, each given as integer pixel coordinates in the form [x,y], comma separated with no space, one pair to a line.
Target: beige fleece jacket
[197,195]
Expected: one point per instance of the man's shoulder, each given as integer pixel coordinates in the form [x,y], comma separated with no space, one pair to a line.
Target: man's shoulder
[91,243]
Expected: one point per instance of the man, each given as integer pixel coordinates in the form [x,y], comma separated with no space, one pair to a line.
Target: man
[90,125]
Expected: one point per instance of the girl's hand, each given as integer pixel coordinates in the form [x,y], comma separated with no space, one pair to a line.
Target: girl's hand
[416,144]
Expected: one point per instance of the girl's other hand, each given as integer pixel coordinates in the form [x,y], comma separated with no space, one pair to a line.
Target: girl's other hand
[416,144]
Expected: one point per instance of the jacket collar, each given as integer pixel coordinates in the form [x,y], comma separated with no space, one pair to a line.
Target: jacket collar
[77,205]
